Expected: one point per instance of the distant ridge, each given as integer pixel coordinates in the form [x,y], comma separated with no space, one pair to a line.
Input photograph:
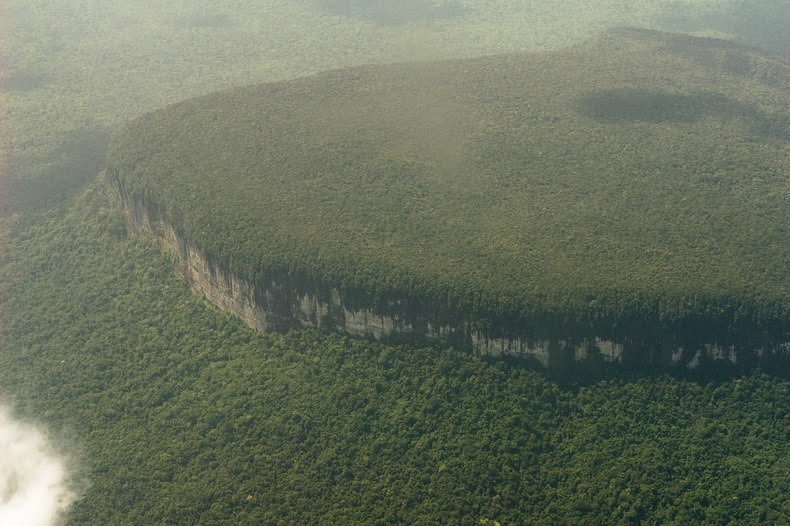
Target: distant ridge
[631,191]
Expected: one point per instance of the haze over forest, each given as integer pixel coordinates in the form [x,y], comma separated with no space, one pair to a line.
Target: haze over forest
[129,398]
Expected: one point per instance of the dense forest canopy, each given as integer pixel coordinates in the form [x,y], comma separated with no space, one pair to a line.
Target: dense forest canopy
[638,175]
[173,412]
[163,410]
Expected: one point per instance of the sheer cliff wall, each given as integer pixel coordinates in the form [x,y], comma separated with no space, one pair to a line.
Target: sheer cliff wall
[282,302]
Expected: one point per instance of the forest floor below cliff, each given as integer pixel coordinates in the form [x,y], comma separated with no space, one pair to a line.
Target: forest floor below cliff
[177,413]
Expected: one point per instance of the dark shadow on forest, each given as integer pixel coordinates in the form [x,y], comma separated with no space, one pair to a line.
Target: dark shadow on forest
[21,82]
[386,12]
[655,106]
[75,163]
[571,381]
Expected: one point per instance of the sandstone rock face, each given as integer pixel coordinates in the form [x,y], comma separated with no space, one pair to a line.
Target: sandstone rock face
[282,304]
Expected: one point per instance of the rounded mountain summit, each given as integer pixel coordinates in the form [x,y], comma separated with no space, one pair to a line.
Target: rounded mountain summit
[635,188]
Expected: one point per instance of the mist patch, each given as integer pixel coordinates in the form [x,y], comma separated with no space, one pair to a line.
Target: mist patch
[34,482]
[21,82]
[209,20]
[385,12]
[760,22]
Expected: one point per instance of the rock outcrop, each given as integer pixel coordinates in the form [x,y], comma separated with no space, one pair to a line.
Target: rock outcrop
[284,302]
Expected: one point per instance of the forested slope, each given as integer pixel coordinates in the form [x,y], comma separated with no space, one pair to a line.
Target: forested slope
[635,185]
[175,413]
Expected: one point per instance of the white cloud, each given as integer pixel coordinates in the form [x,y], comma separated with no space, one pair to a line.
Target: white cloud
[33,480]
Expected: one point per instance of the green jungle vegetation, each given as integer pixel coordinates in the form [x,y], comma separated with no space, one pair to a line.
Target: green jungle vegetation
[639,176]
[72,71]
[172,412]
[178,414]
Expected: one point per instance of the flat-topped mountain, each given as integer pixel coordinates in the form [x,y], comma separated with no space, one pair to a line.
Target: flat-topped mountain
[632,190]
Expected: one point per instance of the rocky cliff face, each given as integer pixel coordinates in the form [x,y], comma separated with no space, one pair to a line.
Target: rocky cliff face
[285,302]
